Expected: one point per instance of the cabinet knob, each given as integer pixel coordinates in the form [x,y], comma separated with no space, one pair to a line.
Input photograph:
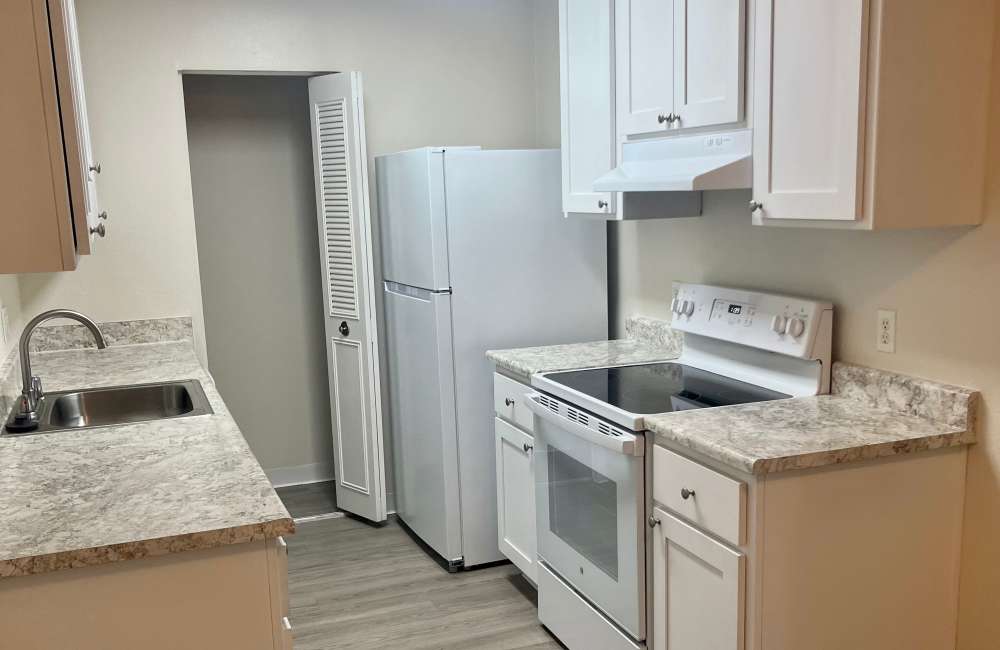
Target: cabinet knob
[344,329]
[103,215]
[755,205]
[95,167]
[602,204]
[661,118]
[99,230]
[527,447]
[508,401]
[653,521]
[686,493]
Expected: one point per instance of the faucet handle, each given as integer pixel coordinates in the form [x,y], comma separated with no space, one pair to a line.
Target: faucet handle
[36,387]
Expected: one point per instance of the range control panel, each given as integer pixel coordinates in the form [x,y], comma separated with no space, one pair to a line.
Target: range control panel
[767,321]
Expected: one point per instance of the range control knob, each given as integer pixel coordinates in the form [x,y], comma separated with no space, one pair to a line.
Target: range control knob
[796,327]
[778,324]
[688,307]
[675,305]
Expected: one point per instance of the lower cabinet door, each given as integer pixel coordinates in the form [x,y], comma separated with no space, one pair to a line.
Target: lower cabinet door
[516,497]
[698,589]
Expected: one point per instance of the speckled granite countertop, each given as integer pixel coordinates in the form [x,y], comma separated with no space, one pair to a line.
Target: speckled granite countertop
[648,340]
[871,414]
[79,498]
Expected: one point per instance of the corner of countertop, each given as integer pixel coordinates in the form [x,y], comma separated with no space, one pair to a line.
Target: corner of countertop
[953,406]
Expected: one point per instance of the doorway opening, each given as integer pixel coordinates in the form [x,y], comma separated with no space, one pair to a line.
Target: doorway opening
[251,157]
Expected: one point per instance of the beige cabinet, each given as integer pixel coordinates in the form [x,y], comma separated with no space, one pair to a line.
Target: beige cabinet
[807,558]
[47,173]
[867,114]
[232,596]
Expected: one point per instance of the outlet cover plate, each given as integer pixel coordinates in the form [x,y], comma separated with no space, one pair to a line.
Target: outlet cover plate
[885,340]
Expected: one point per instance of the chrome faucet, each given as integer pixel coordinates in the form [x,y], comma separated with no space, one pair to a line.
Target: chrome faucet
[25,418]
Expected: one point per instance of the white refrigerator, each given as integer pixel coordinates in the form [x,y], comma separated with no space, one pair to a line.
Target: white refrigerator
[476,255]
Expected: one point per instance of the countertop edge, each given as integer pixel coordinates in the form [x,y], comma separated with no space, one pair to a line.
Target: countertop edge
[112,553]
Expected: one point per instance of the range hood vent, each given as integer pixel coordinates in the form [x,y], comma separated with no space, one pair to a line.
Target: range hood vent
[714,161]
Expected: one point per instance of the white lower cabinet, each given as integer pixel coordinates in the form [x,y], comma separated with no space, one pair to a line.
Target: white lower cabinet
[516,497]
[698,589]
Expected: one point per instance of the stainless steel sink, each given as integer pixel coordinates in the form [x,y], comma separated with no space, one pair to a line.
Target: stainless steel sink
[101,407]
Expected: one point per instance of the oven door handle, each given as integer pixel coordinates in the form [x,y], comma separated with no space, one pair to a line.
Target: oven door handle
[624,443]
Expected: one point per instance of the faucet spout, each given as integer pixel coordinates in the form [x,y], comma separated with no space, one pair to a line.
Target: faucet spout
[26,416]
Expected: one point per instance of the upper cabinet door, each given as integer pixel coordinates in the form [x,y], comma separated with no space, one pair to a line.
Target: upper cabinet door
[708,61]
[81,167]
[809,96]
[586,52]
[644,36]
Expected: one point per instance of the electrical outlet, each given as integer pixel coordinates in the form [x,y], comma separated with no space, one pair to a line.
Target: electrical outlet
[886,341]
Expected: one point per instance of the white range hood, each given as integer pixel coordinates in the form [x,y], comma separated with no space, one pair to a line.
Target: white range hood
[712,161]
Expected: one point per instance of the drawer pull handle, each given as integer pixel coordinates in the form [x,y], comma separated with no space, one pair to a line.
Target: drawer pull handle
[508,401]
[286,624]
[653,521]
[686,493]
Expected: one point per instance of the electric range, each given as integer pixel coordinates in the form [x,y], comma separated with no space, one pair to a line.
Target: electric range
[592,459]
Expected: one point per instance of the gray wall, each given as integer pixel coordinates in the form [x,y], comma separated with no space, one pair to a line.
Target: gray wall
[255,218]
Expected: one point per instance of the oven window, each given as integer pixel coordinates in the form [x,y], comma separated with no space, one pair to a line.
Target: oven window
[583,510]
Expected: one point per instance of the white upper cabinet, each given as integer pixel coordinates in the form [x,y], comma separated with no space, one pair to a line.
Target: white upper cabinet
[644,52]
[869,114]
[809,98]
[586,51]
[709,48]
[680,64]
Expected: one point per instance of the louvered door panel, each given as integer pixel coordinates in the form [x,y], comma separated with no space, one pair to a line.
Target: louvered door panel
[341,269]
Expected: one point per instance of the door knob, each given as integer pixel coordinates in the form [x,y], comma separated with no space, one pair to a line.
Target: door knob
[344,329]
[103,215]
[95,167]
[755,205]
[653,521]
[99,230]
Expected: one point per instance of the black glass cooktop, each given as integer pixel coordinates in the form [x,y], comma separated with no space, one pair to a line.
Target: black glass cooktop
[661,387]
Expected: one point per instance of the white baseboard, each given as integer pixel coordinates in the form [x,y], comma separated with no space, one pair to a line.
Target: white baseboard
[300,474]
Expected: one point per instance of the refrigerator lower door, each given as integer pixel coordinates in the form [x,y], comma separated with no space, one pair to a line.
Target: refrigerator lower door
[421,387]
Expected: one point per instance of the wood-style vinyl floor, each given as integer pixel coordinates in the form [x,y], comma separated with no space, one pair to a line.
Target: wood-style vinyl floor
[309,500]
[353,585]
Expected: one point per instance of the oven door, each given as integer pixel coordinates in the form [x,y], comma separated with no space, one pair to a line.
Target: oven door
[590,504]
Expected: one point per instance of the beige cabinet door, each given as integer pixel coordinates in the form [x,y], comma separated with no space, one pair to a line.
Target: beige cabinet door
[698,589]
[516,497]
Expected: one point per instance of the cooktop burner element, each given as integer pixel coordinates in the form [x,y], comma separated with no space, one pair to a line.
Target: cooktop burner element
[661,387]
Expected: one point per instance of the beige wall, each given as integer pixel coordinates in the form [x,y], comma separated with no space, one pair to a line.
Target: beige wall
[10,297]
[446,72]
[944,284]
[255,214]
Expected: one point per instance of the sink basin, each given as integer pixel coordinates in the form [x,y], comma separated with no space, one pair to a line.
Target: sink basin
[101,407]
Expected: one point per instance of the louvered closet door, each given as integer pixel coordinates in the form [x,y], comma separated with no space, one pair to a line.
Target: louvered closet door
[348,301]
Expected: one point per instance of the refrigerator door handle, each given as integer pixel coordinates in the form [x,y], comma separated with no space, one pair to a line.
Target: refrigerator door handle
[413,292]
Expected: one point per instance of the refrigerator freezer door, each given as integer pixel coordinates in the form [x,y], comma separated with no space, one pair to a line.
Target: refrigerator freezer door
[412,218]
[422,415]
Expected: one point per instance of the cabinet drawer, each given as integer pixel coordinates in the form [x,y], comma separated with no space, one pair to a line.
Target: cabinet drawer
[701,495]
[508,402]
